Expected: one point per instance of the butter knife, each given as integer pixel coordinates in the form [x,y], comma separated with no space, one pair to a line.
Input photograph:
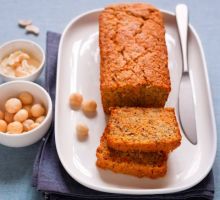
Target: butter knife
[186,101]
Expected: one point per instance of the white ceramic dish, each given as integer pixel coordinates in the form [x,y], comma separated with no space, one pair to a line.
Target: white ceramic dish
[28,46]
[12,89]
[78,70]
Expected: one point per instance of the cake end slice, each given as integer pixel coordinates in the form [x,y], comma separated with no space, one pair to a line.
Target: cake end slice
[141,164]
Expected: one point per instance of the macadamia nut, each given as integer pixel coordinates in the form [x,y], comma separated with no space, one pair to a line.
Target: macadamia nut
[21,115]
[75,100]
[3,126]
[34,125]
[13,105]
[2,115]
[32,29]
[19,72]
[24,22]
[37,110]
[89,106]
[26,98]
[15,127]
[9,117]
[28,109]
[15,58]
[27,124]
[40,119]
[82,131]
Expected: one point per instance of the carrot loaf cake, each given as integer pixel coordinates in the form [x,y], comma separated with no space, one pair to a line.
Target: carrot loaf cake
[143,129]
[151,164]
[134,61]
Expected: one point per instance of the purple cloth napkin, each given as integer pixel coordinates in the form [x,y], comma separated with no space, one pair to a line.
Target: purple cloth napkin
[50,177]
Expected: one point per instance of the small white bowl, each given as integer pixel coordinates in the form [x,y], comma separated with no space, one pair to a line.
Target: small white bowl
[27,46]
[12,89]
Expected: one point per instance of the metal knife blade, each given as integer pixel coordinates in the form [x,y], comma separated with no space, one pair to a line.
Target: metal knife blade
[187,109]
[186,102]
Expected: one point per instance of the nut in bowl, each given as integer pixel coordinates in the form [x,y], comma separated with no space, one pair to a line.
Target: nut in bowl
[25,113]
[21,60]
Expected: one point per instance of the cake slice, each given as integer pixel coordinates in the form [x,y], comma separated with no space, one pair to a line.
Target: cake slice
[140,164]
[143,129]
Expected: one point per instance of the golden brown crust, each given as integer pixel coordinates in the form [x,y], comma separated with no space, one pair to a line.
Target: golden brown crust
[143,129]
[151,164]
[134,58]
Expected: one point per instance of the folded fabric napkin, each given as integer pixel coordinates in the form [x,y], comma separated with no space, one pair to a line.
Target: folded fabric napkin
[50,177]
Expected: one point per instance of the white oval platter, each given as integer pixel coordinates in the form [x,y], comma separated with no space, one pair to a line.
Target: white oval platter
[78,71]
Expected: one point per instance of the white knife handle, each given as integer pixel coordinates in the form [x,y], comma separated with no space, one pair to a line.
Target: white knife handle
[182,24]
